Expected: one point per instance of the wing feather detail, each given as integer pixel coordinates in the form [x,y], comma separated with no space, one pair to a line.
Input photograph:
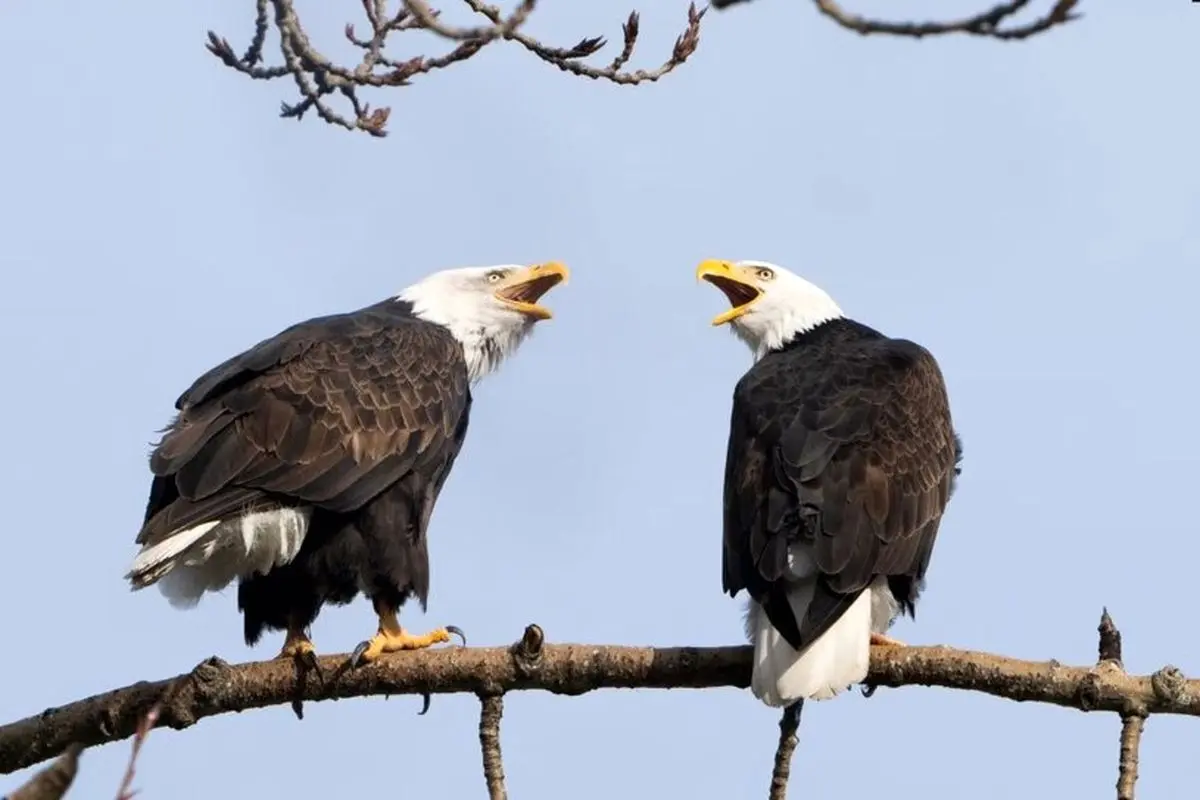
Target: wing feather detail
[328,413]
[846,446]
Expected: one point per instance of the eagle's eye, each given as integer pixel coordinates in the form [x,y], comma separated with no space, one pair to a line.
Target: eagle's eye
[495,275]
[765,274]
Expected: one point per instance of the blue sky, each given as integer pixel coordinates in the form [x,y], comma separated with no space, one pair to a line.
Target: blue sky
[1026,211]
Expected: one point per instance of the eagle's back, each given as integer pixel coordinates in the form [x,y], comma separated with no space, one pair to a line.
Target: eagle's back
[328,413]
[841,442]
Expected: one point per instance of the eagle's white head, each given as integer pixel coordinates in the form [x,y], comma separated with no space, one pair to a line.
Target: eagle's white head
[769,305]
[490,310]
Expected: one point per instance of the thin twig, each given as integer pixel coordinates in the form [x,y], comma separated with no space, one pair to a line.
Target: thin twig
[146,724]
[789,727]
[490,711]
[426,18]
[986,23]
[215,687]
[567,59]
[1132,726]
[317,77]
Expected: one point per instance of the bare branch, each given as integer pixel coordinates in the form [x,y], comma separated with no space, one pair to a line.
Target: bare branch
[52,782]
[144,727]
[215,687]
[490,712]
[986,23]
[1132,722]
[317,78]
[1132,726]
[567,59]
[789,727]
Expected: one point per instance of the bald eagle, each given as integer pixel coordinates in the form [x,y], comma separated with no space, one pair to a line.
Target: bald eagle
[307,467]
[841,459]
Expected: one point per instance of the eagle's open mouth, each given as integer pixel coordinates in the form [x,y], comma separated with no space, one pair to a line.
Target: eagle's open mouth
[525,294]
[727,276]
[739,294]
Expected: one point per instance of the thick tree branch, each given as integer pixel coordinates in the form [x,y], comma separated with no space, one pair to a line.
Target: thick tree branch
[215,687]
[317,77]
[994,22]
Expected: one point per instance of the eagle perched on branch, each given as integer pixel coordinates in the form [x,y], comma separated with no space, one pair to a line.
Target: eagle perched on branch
[306,468]
[842,457]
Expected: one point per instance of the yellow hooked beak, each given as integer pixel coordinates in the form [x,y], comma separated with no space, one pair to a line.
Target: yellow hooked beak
[737,283]
[524,287]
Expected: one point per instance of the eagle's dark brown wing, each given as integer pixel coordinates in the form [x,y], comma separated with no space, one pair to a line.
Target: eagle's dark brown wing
[847,446]
[328,413]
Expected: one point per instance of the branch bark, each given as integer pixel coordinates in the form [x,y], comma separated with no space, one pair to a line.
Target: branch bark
[215,687]
[491,709]
[52,782]
[789,737]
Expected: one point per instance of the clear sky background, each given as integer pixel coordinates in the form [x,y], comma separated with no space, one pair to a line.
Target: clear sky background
[1027,211]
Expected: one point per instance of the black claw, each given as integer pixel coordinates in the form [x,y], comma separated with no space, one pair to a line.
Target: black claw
[309,661]
[868,690]
[426,699]
[457,631]
[356,656]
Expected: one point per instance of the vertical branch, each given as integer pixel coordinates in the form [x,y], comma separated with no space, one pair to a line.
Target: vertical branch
[1132,726]
[1132,723]
[789,725]
[52,782]
[143,730]
[145,725]
[1110,639]
[490,712]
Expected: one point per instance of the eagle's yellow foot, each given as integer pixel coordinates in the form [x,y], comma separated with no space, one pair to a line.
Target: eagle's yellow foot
[392,640]
[299,648]
[886,641]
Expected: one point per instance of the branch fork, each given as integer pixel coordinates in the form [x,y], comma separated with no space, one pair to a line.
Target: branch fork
[318,78]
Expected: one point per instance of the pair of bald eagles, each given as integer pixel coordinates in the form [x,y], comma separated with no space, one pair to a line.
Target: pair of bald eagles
[306,469]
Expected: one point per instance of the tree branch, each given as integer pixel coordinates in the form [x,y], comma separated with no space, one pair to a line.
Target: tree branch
[789,727]
[317,77]
[491,709]
[52,782]
[1132,726]
[986,23]
[1132,721]
[215,687]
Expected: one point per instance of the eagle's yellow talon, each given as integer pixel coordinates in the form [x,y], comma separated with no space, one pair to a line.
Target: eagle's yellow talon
[297,645]
[395,641]
[392,638]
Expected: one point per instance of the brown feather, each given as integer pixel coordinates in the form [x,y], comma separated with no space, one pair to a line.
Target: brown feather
[857,427]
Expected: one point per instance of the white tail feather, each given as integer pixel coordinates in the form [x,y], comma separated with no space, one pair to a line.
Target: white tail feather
[157,557]
[838,659]
[210,556]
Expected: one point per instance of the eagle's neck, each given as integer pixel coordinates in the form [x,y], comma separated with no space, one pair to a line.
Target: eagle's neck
[485,349]
[766,334]
[487,334]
